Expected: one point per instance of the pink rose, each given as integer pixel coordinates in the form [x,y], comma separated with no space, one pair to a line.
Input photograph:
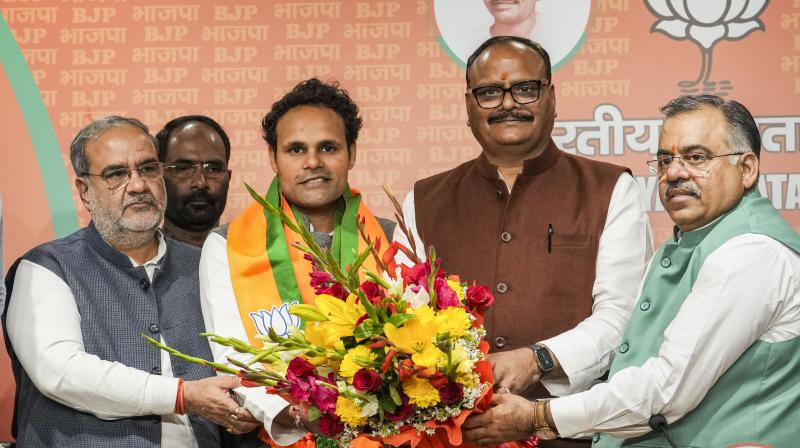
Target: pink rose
[324,398]
[417,275]
[330,425]
[451,393]
[367,380]
[479,297]
[445,296]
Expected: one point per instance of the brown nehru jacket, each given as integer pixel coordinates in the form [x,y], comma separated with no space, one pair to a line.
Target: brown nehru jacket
[535,248]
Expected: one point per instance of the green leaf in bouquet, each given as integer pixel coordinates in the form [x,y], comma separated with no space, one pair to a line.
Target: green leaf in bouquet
[349,342]
[432,276]
[377,279]
[367,329]
[399,319]
[388,404]
[192,359]
[395,395]
[354,268]
[314,413]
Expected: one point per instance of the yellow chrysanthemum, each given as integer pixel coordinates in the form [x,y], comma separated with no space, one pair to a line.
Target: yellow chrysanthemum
[349,412]
[421,392]
[342,317]
[357,358]
[468,379]
[453,320]
[459,290]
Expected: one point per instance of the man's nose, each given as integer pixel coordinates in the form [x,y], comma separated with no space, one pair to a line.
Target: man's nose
[508,101]
[312,160]
[136,183]
[198,179]
[676,170]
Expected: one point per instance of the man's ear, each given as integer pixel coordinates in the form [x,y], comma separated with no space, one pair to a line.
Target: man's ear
[82,186]
[352,155]
[273,162]
[749,166]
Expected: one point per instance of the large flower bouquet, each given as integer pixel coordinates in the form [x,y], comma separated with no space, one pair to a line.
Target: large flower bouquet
[395,356]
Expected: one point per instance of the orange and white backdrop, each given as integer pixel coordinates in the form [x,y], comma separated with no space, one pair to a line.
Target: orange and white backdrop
[616,61]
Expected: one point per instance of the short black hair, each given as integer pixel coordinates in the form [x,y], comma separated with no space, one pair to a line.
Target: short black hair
[496,40]
[743,136]
[163,135]
[313,92]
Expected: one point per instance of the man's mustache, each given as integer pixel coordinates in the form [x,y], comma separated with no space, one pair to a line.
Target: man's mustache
[684,185]
[199,196]
[145,198]
[509,115]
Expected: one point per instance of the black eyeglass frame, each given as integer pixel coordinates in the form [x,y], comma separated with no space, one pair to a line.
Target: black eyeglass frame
[539,83]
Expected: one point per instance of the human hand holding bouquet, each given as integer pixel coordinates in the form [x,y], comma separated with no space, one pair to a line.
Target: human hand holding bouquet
[393,356]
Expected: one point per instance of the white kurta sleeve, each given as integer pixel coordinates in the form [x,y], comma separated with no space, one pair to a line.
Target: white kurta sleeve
[221,316]
[725,313]
[625,247]
[44,327]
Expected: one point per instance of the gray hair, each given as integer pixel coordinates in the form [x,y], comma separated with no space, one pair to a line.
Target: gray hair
[743,136]
[77,149]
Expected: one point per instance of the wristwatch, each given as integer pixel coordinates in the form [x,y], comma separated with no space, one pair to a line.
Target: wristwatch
[543,359]
[540,427]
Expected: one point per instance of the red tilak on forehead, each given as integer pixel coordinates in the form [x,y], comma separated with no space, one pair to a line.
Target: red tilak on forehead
[674,148]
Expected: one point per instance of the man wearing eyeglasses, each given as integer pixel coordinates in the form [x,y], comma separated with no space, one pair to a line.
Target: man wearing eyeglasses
[195,151]
[79,305]
[561,239]
[709,357]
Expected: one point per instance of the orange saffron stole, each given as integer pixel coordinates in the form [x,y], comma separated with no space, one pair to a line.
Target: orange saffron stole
[253,281]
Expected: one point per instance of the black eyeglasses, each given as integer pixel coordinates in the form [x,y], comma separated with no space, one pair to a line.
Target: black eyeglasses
[187,170]
[119,177]
[524,92]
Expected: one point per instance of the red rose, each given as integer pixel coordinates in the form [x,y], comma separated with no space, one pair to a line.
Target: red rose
[330,425]
[402,412]
[373,292]
[479,297]
[299,367]
[367,380]
[335,290]
[451,393]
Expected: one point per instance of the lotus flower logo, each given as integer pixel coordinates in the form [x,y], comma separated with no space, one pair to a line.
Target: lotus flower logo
[278,318]
[706,22]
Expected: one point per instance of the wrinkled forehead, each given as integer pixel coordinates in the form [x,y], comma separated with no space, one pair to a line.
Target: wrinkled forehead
[122,145]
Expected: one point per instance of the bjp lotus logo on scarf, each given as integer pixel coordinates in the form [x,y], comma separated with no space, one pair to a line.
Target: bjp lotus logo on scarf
[279,319]
[706,22]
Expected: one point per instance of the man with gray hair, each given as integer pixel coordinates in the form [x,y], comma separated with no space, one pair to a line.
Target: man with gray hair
[709,357]
[78,307]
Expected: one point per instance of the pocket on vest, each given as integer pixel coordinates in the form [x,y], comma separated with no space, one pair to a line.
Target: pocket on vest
[580,241]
